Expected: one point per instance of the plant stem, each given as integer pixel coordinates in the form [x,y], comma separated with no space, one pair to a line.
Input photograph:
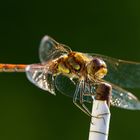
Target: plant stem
[99,127]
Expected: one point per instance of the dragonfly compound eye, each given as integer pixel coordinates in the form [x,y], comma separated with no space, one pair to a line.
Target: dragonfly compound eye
[97,68]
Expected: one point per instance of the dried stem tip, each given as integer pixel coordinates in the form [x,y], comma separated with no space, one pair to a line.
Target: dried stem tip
[103,92]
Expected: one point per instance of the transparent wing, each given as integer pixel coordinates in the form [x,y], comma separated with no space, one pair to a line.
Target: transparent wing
[68,87]
[40,76]
[50,49]
[124,99]
[121,72]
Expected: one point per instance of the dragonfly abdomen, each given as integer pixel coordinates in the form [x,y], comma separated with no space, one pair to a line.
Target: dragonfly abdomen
[12,67]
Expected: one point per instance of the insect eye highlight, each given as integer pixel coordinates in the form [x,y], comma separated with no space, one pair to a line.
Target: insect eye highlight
[97,67]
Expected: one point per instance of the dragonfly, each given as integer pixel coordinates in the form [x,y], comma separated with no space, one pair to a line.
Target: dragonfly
[77,75]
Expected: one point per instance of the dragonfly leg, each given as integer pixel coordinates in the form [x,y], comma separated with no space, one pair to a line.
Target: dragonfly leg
[86,109]
[82,94]
[75,101]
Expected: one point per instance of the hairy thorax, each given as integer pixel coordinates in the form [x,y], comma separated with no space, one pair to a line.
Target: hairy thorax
[72,65]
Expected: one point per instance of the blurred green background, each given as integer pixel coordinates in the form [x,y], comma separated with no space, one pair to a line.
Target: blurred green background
[107,27]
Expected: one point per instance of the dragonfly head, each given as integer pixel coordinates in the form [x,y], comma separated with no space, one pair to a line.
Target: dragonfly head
[97,68]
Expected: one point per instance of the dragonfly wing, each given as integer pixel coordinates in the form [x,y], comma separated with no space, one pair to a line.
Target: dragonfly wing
[65,85]
[50,49]
[124,99]
[68,87]
[121,72]
[39,75]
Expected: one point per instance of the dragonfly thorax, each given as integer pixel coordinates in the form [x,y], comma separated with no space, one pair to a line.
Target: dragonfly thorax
[72,64]
[96,68]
